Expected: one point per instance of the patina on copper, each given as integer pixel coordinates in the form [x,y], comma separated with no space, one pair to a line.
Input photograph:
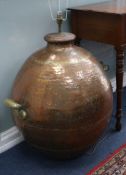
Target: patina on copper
[66,95]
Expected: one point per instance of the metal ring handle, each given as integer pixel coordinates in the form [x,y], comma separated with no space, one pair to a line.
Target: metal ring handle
[105,66]
[17,107]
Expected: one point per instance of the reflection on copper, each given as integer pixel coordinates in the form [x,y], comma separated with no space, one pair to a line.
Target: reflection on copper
[58,68]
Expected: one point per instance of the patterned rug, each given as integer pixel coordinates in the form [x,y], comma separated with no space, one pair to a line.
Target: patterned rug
[115,164]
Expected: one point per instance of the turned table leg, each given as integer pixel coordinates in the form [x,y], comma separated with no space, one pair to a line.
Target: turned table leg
[119,84]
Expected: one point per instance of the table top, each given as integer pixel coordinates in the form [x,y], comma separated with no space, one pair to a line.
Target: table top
[113,6]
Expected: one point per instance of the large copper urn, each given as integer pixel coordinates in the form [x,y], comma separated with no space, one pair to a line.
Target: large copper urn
[62,99]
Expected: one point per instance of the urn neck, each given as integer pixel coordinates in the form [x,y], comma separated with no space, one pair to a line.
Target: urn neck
[58,45]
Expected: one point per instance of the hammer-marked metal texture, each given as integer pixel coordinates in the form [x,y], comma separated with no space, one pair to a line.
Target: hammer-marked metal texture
[67,95]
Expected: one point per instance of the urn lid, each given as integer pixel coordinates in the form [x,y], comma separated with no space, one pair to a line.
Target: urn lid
[59,37]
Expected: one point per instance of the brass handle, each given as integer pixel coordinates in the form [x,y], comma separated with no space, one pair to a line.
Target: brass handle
[17,107]
[12,104]
[105,66]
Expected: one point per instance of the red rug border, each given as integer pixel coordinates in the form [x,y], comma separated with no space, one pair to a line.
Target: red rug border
[106,159]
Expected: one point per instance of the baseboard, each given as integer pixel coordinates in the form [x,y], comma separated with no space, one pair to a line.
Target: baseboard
[10,138]
[13,136]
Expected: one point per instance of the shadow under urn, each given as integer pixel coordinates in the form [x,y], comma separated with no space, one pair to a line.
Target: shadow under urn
[61,99]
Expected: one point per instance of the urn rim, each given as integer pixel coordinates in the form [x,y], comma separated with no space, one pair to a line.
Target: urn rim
[59,37]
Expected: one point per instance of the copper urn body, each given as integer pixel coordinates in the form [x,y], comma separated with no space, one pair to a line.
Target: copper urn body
[66,96]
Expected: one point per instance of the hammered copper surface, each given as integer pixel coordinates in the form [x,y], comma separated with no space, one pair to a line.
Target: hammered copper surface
[67,97]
